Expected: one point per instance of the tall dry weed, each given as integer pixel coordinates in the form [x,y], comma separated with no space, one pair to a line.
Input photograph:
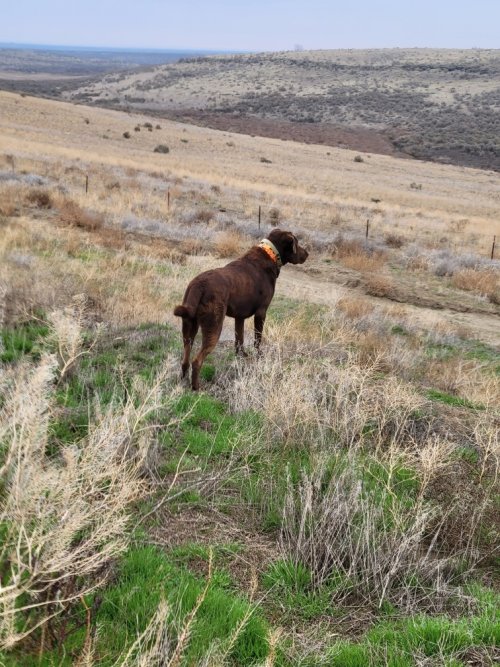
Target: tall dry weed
[367,541]
[65,517]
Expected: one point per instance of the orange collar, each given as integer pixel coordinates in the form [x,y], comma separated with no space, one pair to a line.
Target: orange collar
[271,251]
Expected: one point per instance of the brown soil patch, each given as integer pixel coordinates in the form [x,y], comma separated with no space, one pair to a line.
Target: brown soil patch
[355,138]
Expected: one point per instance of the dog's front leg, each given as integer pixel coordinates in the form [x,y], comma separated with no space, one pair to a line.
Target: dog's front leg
[259,320]
[239,330]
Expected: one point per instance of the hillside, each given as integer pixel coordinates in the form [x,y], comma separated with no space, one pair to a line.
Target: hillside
[440,105]
[331,502]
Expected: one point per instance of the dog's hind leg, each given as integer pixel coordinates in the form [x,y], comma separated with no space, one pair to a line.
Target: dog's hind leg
[211,327]
[189,331]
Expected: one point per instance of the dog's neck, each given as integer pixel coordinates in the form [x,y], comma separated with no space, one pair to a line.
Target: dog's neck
[271,251]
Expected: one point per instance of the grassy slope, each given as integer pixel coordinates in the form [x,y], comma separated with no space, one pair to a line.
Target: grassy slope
[355,396]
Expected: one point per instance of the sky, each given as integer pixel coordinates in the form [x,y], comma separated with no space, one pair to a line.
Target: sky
[253,25]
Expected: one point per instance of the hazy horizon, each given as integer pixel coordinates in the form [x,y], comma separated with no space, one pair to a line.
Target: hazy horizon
[263,25]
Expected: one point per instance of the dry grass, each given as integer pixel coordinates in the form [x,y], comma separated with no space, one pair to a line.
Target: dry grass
[379,285]
[40,198]
[354,307]
[228,244]
[483,282]
[363,262]
[331,386]
[70,213]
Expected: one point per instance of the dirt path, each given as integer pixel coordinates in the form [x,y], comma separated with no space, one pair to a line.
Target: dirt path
[316,288]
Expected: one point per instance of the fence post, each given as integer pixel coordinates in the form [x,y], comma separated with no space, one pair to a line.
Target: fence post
[168,199]
[86,184]
[493,247]
[367,226]
[259,217]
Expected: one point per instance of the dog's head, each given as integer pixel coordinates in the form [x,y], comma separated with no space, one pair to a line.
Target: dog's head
[288,247]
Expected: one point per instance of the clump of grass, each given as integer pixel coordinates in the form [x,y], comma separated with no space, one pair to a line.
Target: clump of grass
[70,213]
[40,198]
[481,282]
[161,148]
[65,519]
[203,215]
[379,285]
[228,244]
[354,307]
[394,240]
[64,514]
[363,262]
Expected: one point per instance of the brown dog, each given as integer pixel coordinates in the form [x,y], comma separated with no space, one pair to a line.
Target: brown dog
[240,289]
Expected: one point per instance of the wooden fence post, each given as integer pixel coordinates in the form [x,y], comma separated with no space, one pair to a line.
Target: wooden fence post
[493,247]
[367,226]
[168,199]
[86,184]
[259,217]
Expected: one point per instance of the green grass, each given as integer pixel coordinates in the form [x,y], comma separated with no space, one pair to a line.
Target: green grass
[24,339]
[208,433]
[290,590]
[489,356]
[106,374]
[146,576]
[395,642]
[449,399]
[208,429]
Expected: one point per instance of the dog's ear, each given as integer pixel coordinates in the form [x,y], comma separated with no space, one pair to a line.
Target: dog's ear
[291,243]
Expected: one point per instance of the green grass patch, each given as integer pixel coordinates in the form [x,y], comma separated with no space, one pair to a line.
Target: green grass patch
[290,589]
[397,642]
[146,576]
[24,339]
[207,428]
[449,399]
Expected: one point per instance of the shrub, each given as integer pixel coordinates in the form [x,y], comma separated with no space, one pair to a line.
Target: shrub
[228,244]
[380,286]
[202,215]
[72,214]
[274,217]
[265,160]
[360,528]
[126,135]
[358,158]
[161,148]
[40,198]
[394,240]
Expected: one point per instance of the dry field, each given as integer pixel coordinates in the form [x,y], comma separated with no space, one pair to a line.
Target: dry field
[333,502]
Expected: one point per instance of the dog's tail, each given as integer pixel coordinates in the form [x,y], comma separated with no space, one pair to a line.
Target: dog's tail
[183,311]
[191,301]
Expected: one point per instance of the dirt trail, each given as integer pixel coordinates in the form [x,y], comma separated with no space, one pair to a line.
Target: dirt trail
[316,288]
